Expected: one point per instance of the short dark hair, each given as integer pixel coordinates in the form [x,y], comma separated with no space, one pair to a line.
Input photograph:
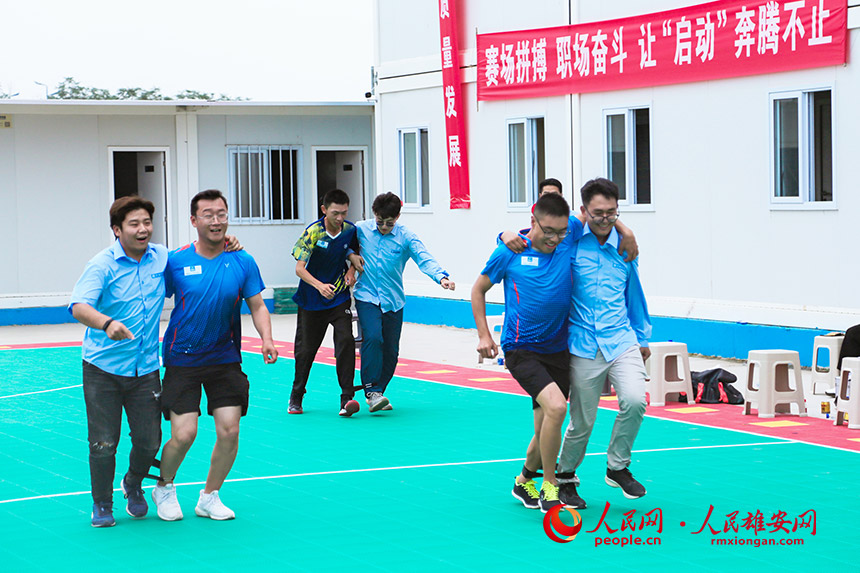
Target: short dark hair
[598,186]
[125,205]
[550,181]
[387,205]
[335,196]
[551,204]
[208,195]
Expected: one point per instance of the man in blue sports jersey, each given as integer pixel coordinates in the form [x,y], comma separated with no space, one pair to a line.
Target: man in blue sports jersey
[323,299]
[537,286]
[386,246]
[202,349]
[609,331]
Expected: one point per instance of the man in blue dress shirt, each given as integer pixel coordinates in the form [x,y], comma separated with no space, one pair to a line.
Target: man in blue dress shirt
[120,296]
[609,331]
[537,286]
[202,351]
[386,245]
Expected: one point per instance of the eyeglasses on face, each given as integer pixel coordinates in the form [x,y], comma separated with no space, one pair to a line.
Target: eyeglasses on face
[209,217]
[387,224]
[609,217]
[550,233]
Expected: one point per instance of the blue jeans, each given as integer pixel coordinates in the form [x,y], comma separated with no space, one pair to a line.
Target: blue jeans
[380,344]
[106,395]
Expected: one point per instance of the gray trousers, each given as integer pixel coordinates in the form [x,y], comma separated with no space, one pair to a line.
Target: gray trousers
[627,375]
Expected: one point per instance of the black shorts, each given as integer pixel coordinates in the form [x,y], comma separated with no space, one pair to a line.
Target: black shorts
[225,384]
[534,371]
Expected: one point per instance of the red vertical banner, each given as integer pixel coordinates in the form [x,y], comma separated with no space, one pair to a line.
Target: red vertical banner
[455,120]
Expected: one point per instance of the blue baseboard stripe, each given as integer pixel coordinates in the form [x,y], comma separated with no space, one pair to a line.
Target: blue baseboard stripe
[708,337]
[60,314]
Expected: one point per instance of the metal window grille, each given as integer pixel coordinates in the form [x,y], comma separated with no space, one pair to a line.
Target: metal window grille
[263,183]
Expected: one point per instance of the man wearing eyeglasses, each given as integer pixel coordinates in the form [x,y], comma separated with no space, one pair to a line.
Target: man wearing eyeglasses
[609,331]
[537,285]
[386,246]
[202,350]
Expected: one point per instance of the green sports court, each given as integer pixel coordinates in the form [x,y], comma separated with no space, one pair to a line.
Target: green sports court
[425,487]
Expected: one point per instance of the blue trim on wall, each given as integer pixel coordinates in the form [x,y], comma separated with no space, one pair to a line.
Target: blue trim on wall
[38,315]
[708,337]
[61,314]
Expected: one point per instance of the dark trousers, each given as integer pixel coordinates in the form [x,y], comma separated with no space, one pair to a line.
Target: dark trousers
[380,345]
[105,396]
[310,330]
[850,344]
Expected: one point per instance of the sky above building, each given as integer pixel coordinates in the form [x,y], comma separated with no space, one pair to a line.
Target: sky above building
[264,50]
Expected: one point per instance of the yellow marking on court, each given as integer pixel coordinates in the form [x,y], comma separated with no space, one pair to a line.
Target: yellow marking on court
[778,424]
[5,347]
[437,372]
[488,379]
[854,439]
[692,410]
[609,398]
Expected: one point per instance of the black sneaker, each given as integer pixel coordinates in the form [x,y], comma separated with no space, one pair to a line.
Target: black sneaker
[624,479]
[527,493]
[349,408]
[295,406]
[548,496]
[136,506]
[568,496]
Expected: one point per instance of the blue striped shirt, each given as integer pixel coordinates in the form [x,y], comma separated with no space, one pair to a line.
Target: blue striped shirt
[130,292]
[385,257]
[608,311]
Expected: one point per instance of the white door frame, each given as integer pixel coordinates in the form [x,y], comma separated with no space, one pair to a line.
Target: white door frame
[364,149]
[169,224]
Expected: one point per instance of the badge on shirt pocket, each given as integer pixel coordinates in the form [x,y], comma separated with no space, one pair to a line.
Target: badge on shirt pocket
[529,261]
[322,244]
[193,270]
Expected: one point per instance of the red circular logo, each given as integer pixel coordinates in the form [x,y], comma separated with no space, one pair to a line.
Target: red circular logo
[552,523]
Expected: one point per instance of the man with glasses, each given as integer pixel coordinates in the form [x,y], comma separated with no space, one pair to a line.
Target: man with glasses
[385,246]
[202,350]
[537,286]
[323,299]
[609,331]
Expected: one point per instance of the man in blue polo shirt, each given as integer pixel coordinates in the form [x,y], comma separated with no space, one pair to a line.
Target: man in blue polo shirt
[120,296]
[537,286]
[609,331]
[323,298]
[386,246]
[202,350]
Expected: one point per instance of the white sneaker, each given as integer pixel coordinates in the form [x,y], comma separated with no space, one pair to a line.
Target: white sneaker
[166,502]
[376,401]
[209,505]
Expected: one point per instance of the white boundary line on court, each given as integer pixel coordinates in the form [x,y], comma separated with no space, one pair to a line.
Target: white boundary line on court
[40,391]
[392,468]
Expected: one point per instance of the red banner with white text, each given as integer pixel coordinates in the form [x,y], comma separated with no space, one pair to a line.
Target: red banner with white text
[723,39]
[455,120]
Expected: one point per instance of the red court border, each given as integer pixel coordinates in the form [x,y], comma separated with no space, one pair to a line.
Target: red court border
[814,431]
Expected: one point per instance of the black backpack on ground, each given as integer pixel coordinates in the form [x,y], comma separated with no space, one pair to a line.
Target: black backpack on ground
[714,387]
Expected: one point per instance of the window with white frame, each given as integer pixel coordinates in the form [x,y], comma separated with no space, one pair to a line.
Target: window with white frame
[628,153]
[802,147]
[526,160]
[263,183]
[414,167]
